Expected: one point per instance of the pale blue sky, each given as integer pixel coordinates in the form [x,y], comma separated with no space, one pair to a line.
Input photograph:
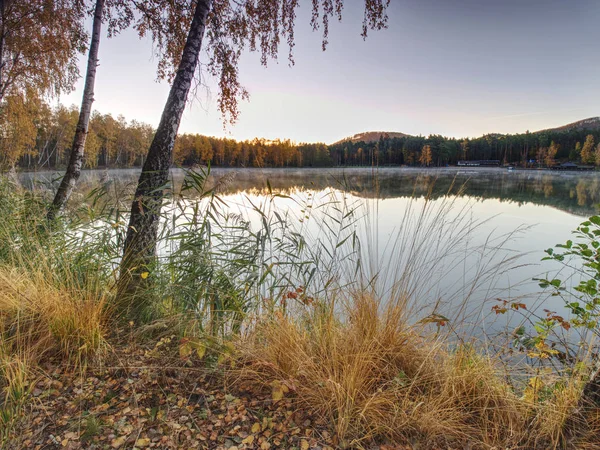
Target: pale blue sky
[452,67]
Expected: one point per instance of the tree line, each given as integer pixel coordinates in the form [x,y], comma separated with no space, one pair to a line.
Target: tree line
[36,136]
[542,149]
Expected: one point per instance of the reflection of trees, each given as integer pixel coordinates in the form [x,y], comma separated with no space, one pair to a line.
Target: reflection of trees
[548,186]
[594,190]
[581,190]
[575,193]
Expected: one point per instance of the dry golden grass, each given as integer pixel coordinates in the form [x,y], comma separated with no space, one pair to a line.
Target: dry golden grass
[373,376]
[39,317]
[555,417]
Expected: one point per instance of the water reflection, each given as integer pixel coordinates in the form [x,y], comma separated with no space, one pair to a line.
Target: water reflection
[575,193]
[543,206]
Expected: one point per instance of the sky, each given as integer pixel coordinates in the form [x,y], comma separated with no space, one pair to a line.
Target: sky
[459,68]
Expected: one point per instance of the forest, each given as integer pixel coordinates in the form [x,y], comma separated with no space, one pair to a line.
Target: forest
[37,137]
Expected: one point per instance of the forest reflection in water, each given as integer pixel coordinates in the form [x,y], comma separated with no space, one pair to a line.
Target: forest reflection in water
[577,193]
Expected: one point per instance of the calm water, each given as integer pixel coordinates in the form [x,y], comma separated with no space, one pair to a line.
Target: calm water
[483,242]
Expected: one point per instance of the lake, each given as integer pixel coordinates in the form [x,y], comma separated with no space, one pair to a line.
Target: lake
[438,235]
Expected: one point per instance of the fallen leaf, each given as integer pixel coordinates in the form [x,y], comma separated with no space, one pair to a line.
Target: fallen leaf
[185,350]
[279,389]
[118,442]
[142,442]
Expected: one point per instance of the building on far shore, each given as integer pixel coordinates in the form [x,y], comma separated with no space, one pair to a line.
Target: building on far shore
[480,162]
[571,166]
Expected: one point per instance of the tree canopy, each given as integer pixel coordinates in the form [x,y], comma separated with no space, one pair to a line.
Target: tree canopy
[261,26]
[39,43]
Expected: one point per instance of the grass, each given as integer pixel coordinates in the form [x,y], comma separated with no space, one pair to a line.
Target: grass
[46,318]
[363,357]
[49,309]
[373,376]
[39,323]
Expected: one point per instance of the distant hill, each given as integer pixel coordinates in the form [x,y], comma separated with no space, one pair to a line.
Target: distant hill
[371,136]
[593,123]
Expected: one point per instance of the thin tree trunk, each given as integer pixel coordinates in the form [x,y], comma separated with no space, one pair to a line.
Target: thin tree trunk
[2,39]
[140,243]
[76,159]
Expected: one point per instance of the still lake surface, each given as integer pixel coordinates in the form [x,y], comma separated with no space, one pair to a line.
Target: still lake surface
[483,231]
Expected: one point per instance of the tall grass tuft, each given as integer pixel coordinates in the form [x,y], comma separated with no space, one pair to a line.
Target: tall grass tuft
[38,315]
[53,290]
[373,376]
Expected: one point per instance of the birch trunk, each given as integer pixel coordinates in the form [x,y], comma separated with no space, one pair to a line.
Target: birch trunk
[76,158]
[2,39]
[140,243]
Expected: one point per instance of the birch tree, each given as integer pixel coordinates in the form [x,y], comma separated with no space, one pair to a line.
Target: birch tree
[231,27]
[76,157]
[119,14]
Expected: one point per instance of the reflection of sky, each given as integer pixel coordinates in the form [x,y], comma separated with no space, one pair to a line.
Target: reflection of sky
[445,271]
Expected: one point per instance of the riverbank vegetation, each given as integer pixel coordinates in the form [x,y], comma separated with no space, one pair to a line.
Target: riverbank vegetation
[250,336]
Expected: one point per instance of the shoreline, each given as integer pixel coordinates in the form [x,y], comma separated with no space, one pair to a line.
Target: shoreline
[479,169]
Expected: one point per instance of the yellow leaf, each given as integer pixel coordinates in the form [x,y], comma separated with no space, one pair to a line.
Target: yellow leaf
[255,428]
[118,442]
[200,348]
[279,389]
[304,444]
[277,393]
[250,439]
[144,275]
[142,442]
[185,350]
[535,382]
